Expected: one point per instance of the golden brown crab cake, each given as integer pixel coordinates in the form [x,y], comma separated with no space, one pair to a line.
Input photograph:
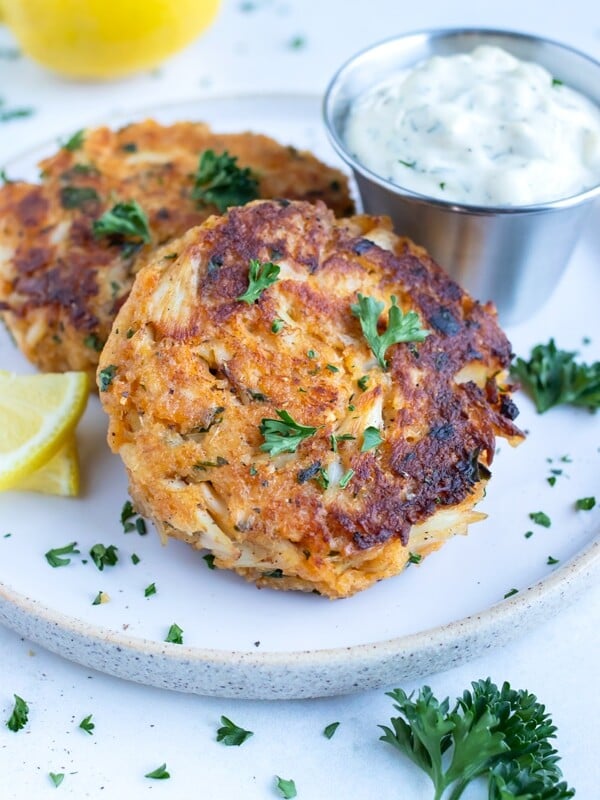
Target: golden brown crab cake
[203,390]
[61,286]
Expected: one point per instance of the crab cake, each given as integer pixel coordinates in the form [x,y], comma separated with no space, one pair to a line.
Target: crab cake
[267,410]
[63,277]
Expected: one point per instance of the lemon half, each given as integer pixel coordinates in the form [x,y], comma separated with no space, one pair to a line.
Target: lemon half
[38,414]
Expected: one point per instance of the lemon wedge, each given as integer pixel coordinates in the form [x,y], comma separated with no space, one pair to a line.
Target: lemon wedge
[59,476]
[38,414]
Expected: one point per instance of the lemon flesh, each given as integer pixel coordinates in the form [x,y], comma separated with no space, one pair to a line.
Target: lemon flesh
[38,414]
[101,39]
[59,476]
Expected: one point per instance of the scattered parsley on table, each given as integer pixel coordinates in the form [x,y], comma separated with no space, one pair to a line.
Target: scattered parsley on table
[87,725]
[231,734]
[20,715]
[287,788]
[53,557]
[175,634]
[159,774]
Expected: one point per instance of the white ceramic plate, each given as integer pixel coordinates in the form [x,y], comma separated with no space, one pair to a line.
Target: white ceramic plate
[239,641]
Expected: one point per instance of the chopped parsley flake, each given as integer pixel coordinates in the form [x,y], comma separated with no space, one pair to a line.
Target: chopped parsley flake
[551,480]
[231,734]
[175,634]
[363,383]
[77,196]
[297,42]
[332,368]
[415,558]
[103,556]
[330,729]
[287,788]
[210,560]
[343,437]
[551,560]
[346,478]
[253,470]
[158,774]
[510,593]
[311,353]
[585,503]
[74,142]
[556,82]
[528,534]
[540,518]
[400,328]
[105,377]
[94,342]
[135,559]
[371,439]
[408,164]
[150,590]
[277,325]
[127,512]
[20,715]
[87,725]
[220,182]
[100,599]
[53,557]
[57,778]
[260,276]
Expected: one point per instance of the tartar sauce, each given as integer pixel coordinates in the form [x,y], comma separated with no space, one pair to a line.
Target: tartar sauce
[482,129]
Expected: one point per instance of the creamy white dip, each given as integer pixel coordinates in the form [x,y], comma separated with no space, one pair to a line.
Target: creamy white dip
[482,128]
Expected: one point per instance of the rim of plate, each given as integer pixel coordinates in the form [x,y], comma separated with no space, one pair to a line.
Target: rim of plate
[289,674]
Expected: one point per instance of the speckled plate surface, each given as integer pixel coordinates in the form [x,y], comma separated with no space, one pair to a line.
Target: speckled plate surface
[242,642]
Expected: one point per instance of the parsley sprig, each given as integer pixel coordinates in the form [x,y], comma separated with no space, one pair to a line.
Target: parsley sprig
[54,556]
[552,377]
[260,276]
[502,734]
[283,435]
[127,220]
[220,182]
[400,328]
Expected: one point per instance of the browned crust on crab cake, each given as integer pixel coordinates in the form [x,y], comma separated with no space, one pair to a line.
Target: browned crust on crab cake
[194,371]
[60,288]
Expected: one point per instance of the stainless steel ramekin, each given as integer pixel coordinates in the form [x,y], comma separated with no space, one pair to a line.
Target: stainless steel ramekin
[512,255]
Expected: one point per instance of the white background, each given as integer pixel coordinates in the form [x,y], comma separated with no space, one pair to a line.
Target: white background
[138,728]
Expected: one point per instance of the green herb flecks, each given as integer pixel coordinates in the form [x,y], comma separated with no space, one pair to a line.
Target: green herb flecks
[283,435]
[218,462]
[585,503]
[551,561]
[106,376]
[502,735]
[540,518]
[150,590]
[342,437]
[94,342]
[400,328]
[220,182]
[100,599]
[87,725]
[54,556]
[277,325]
[407,164]
[363,383]
[104,556]
[125,220]
[78,196]
[158,774]
[8,114]
[346,478]
[135,559]
[371,439]
[287,788]
[57,778]
[74,142]
[510,593]
[175,634]
[20,715]
[556,82]
[330,729]
[231,734]
[210,560]
[415,558]
[552,377]
[260,276]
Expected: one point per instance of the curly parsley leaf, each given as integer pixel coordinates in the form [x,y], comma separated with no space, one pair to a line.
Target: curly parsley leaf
[283,435]
[231,734]
[287,788]
[20,714]
[552,377]
[501,734]
[126,220]
[159,774]
[260,276]
[220,182]
[400,328]
[53,557]
[175,634]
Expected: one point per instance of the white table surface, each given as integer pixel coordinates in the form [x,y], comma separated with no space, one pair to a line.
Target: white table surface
[139,728]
